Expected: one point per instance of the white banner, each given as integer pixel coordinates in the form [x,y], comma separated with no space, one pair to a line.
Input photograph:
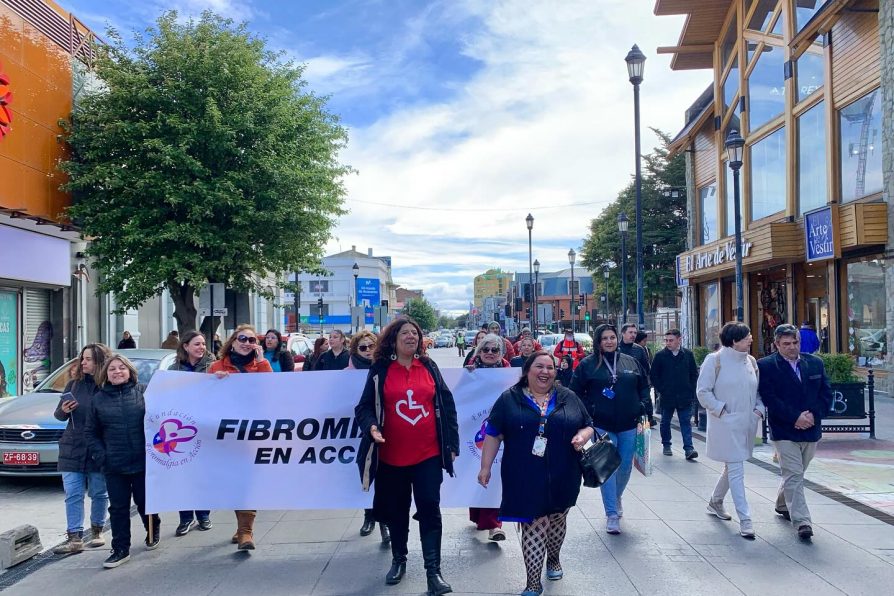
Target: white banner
[289,441]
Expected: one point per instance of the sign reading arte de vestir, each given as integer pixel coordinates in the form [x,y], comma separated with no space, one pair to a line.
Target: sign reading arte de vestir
[819,227]
[289,441]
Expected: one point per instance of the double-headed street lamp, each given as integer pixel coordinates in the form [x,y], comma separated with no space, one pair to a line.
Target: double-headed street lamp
[534,293]
[529,221]
[635,62]
[573,306]
[623,222]
[734,147]
[356,270]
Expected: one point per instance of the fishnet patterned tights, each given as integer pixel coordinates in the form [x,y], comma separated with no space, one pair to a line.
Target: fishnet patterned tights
[542,538]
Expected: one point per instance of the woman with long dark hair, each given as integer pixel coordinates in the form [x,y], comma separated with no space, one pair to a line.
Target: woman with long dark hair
[321,344]
[614,388]
[410,436]
[242,353]
[276,353]
[542,425]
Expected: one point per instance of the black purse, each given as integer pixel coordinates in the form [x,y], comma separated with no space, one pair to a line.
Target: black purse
[599,461]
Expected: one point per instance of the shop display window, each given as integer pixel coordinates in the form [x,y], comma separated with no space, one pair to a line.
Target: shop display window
[866,302]
[812,159]
[861,147]
[710,309]
[773,311]
[768,175]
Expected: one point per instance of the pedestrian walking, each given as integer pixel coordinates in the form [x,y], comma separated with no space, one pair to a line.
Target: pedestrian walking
[242,353]
[614,389]
[569,346]
[193,357]
[321,344]
[525,349]
[810,342]
[81,474]
[410,435]
[629,347]
[460,343]
[540,483]
[279,357]
[566,371]
[171,341]
[674,376]
[727,389]
[116,442]
[127,342]
[336,357]
[488,354]
[508,350]
[796,391]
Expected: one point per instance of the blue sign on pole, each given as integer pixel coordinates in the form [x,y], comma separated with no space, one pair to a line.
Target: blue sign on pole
[819,229]
[368,291]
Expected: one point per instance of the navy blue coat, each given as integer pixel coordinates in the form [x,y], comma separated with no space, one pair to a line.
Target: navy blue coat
[786,397]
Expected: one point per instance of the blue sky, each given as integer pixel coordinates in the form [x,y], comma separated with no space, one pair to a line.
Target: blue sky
[467,115]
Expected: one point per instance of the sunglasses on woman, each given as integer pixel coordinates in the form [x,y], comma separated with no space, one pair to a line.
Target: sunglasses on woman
[244,339]
[490,350]
[365,347]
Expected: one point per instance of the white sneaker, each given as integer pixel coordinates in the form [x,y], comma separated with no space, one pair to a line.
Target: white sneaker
[746,530]
[496,534]
[613,524]
[715,508]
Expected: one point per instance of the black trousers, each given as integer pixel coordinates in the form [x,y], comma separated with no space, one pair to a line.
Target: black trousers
[395,487]
[123,487]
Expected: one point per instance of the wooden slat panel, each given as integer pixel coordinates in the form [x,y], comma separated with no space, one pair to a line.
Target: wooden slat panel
[847,220]
[873,228]
[705,155]
[856,56]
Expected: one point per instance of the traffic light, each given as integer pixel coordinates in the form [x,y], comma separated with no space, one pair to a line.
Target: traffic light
[586,316]
[528,312]
[497,316]
[518,303]
[507,310]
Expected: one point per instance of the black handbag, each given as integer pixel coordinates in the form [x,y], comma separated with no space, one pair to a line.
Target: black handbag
[599,461]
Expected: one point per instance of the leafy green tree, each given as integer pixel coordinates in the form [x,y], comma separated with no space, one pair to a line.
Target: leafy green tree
[664,233]
[202,158]
[461,321]
[445,322]
[423,312]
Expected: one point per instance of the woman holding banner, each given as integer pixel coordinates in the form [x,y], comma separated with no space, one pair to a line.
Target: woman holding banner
[361,352]
[242,353]
[116,441]
[192,357]
[410,434]
[542,426]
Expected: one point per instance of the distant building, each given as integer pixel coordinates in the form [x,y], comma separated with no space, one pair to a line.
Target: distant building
[554,298]
[403,295]
[493,282]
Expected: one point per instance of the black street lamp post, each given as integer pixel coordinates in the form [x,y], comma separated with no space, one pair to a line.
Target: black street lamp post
[572,305]
[356,270]
[536,285]
[623,222]
[605,296]
[529,221]
[734,147]
[635,62]
[297,303]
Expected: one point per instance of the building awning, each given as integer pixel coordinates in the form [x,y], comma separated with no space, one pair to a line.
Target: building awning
[704,20]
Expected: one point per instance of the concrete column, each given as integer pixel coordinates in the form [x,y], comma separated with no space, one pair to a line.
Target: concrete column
[886,31]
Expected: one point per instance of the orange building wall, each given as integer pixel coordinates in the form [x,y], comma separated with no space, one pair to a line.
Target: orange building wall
[41,85]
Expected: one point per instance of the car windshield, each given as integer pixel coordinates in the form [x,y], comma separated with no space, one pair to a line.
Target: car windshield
[56,382]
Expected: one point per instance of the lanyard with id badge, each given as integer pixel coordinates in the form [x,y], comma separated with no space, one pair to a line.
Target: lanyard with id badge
[609,392]
[539,448]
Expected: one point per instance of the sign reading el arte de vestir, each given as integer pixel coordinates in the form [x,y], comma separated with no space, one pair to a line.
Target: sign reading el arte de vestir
[720,254]
[289,441]
[819,230]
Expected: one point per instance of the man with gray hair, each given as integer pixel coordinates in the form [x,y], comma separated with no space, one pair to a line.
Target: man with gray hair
[796,391]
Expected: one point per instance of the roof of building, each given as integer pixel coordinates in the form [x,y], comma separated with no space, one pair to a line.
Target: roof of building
[696,116]
[704,20]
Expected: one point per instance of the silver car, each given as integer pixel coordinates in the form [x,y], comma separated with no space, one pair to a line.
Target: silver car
[29,433]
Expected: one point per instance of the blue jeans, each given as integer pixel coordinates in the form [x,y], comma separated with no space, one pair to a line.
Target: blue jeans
[76,484]
[614,487]
[684,415]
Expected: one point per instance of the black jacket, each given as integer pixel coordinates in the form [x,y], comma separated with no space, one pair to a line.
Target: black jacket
[621,412]
[73,443]
[786,397]
[115,437]
[638,353]
[370,411]
[329,361]
[536,486]
[674,377]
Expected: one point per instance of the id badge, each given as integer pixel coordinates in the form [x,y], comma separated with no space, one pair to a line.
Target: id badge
[608,392]
[539,448]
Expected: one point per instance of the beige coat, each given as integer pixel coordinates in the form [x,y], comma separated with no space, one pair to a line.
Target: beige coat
[729,393]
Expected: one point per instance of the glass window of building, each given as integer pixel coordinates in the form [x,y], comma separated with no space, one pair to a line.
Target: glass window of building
[810,74]
[777,26]
[812,158]
[731,87]
[728,45]
[707,198]
[768,175]
[866,303]
[760,18]
[766,87]
[861,149]
[805,9]
[729,201]
[710,307]
[750,49]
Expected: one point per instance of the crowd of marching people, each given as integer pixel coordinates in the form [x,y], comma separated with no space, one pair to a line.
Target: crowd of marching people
[563,401]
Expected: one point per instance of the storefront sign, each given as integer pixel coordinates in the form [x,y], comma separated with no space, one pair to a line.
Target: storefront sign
[367,289]
[819,228]
[724,253]
[681,281]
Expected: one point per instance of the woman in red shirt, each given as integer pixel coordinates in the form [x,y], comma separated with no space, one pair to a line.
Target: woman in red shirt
[410,435]
[242,353]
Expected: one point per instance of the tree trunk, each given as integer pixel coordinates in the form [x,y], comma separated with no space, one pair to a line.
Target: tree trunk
[183,296]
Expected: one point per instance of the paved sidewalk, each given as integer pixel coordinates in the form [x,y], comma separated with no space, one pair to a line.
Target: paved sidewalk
[669,546]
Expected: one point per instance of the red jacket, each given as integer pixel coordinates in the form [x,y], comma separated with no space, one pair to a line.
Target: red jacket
[572,349]
[252,367]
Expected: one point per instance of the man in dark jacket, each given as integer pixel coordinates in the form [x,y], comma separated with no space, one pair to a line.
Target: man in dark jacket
[797,394]
[674,374]
[629,346]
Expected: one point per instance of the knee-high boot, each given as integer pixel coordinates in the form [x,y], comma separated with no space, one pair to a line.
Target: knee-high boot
[431,555]
[245,521]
